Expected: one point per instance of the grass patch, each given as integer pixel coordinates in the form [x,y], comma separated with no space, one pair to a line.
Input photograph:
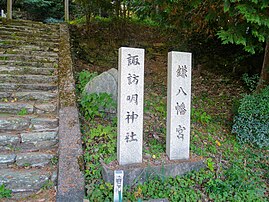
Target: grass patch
[4,192]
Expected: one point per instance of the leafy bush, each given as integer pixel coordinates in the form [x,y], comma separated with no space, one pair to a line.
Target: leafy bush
[252,122]
[96,104]
[251,82]
[53,20]
[83,78]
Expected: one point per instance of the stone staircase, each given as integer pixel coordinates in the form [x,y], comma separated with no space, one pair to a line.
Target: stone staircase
[28,105]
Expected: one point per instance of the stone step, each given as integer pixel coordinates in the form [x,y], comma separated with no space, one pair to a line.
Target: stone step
[22,180]
[27,122]
[28,63]
[28,159]
[6,69]
[30,28]
[32,141]
[31,32]
[26,47]
[11,87]
[29,58]
[45,108]
[32,53]
[28,38]
[9,141]
[28,141]
[21,108]
[29,96]
[26,24]
[33,159]
[27,79]
[7,159]
[5,42]
[8,123]
[16,108]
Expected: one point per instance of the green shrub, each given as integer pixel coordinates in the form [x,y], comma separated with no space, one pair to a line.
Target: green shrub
[96,104]
[53,20]
[83,78]
[251,82]
[252,122]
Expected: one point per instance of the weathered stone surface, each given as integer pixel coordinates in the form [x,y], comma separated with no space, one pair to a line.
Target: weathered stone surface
[26,63]
[26,70]
[40,96]
[70,174]
[38,140]
[27,47]
[104,83]
[16,107]
[7,158]
[178,105]
[45,108]
[28,80]
[16,48]
[27,58]
[14,123]
[29,40]
[9,87]
[130,105]
[8,139]
[24,32]
[4,95]
[27,27]
[158,200]
[23,180]
[26,24]
[114,73]
[139,173]
[38,136]
[24,79]
[33,159]
[44,123]
[32,32]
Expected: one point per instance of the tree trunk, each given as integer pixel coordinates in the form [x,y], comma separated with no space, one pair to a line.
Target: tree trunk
[66,10]
[264,78]
[88,12]
[124,9]
[118,8]
[9,9]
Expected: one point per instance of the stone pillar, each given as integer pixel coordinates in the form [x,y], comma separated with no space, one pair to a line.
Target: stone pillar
[130,105]
[66,10]
[9,9]
[178,105]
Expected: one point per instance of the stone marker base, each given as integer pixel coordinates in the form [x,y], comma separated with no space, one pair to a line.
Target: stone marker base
[158,200]
[139,173]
